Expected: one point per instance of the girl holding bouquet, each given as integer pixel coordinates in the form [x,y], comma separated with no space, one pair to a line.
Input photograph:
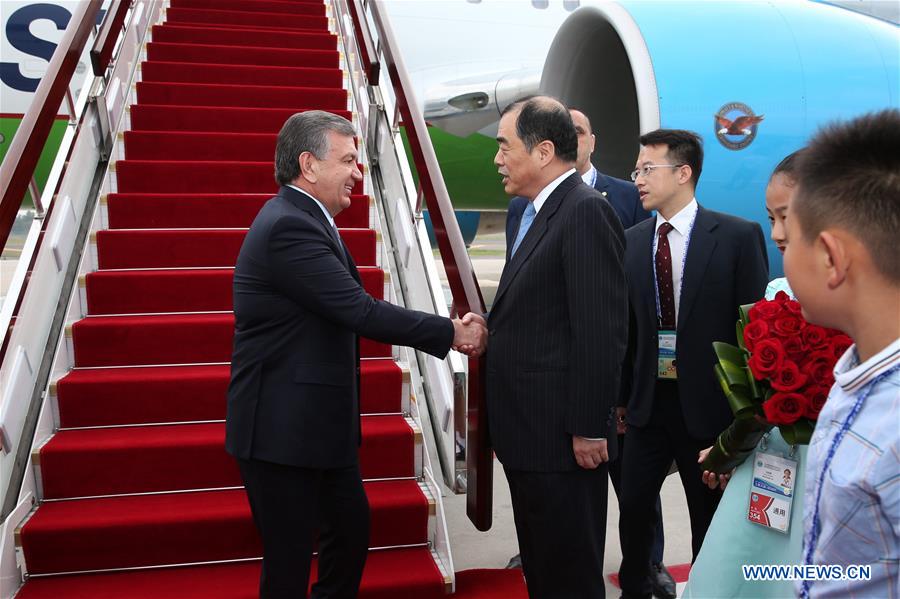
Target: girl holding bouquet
[733,540]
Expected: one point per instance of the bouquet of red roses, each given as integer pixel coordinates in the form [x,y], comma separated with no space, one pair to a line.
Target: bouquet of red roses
[779,376]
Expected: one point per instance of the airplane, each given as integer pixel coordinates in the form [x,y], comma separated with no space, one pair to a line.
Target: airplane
[631,66]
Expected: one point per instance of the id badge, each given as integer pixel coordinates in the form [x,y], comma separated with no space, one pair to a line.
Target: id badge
[666,360]
[772,491]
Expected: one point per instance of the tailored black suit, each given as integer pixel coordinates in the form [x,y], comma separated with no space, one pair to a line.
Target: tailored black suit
[625,200]
[557,340]
[725,267]
[293,418]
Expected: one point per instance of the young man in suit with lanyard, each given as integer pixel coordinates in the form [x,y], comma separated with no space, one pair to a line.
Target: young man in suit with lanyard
[293,419]
[623,197]
[688,271]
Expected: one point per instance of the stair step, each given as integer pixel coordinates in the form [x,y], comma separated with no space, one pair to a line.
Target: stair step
[313,8]
[198,248]
[166,339]
[256,96]
[247,55]
[243,17]
[197,72]
[207,146]
[224,35]
[186,211]
[150,459]
[157,394]
[147,117]
[167,176]
[391,573]
[187,290]
[174,528]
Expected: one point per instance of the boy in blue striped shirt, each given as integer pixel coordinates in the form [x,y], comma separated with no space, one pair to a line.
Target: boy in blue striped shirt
[842,262]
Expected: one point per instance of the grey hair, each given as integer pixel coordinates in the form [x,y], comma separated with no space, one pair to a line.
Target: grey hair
[305,132]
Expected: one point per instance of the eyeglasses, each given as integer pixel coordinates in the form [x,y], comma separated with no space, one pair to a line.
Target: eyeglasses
[645,170]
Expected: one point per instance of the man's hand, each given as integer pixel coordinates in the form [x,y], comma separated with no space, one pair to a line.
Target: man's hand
[588,453]
[620,421]
[711,479]
[470,334]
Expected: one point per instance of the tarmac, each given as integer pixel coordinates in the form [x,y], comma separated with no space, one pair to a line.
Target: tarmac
[474,549]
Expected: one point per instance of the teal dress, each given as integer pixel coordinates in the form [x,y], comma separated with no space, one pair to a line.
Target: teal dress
[733,541]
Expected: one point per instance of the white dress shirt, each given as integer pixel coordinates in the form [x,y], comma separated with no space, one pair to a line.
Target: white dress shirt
[678,236]
[541,197]
[590,177]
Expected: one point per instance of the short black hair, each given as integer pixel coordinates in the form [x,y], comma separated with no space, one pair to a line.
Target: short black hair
[684,147]
[849,177]
[787,166]
[305,132]
[543,118]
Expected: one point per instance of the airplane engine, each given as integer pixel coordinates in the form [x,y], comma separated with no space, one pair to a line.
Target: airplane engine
[787,67]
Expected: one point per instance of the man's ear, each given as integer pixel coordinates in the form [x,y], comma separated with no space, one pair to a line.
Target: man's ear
[685,172]
[835,255]
[546,152]
[309,166]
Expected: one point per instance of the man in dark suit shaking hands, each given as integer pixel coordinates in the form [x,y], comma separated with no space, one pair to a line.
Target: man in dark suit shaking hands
[688,271]
[293,419]
[557,339]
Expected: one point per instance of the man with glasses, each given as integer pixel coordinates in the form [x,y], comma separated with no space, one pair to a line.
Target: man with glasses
[688,270]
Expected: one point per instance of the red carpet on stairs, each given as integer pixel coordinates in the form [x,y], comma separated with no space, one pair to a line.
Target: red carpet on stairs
[137,475]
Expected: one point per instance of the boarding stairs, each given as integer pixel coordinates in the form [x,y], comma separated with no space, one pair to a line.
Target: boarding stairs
[133,493]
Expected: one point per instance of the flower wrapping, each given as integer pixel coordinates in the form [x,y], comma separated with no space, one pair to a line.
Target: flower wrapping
[779,375]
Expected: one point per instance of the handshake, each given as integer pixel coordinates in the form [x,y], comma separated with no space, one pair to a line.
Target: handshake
[470,335]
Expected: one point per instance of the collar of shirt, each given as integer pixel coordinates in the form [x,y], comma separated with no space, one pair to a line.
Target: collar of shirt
[681,221]
[590,177]
[540,198]
[322,206]
[853,376]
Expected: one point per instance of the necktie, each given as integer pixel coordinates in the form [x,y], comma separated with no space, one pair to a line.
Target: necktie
[527,219]
[664,285]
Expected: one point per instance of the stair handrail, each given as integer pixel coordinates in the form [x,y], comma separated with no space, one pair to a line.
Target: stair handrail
[26,370]
[27,144]
[105,42]
[461,277]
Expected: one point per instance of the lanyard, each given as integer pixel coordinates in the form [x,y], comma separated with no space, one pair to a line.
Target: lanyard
[832,449]
[687,243]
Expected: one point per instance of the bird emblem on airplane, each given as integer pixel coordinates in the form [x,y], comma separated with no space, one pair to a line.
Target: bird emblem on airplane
[739,126]
[735,125]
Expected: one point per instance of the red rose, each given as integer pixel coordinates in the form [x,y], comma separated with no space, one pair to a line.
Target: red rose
[785,408]
[781,298]
[764,310]
[788,377]
[815,397]
[839,345]
[819,368]
[754,332]
[794,347]
[766,358]
[793,307]
[788,325]
[814,337]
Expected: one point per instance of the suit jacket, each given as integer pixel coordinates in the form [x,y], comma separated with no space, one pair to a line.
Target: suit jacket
[726,266]
[558,333]
[622,196]
[299,310]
